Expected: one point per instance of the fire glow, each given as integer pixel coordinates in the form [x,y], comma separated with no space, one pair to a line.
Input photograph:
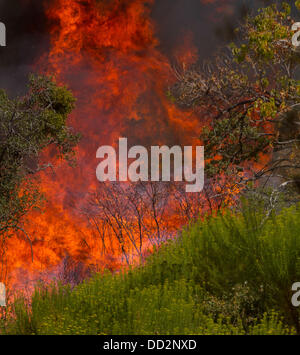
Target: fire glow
[109,56]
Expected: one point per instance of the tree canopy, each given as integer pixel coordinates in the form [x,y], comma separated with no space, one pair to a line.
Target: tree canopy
[250,97]
[28,125]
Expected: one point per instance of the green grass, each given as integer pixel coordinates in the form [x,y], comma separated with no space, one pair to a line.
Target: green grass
[228,274]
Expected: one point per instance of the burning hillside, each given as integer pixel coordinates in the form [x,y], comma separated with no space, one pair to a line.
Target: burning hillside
[150,171]
[107,52]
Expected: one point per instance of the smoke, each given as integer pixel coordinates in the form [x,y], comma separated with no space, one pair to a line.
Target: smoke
[28,31]
[119,71]
[210,22]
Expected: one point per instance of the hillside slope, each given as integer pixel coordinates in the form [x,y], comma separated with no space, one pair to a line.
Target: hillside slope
[228,274]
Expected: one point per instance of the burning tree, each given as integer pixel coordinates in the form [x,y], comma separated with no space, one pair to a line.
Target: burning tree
[252,98]
[131,218]
[28,126]
[108,52]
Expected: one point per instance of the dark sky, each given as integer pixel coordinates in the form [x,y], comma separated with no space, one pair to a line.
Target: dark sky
[27,37]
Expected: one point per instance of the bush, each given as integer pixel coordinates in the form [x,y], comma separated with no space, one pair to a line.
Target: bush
[227,274]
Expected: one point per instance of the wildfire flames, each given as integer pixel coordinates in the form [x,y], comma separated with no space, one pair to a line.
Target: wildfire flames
[108,54]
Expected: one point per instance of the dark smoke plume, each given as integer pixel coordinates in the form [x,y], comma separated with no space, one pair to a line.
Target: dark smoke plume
[28,31]
[27,40]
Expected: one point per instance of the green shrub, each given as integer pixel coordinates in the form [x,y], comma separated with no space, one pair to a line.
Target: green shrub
[228,274]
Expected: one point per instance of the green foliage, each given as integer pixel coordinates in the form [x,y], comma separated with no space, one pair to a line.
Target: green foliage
[247,95]
[263,33]
[28,126]
[227,274]
[246,131]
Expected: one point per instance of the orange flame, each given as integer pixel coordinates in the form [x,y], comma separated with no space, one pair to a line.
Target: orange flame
[108,54]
